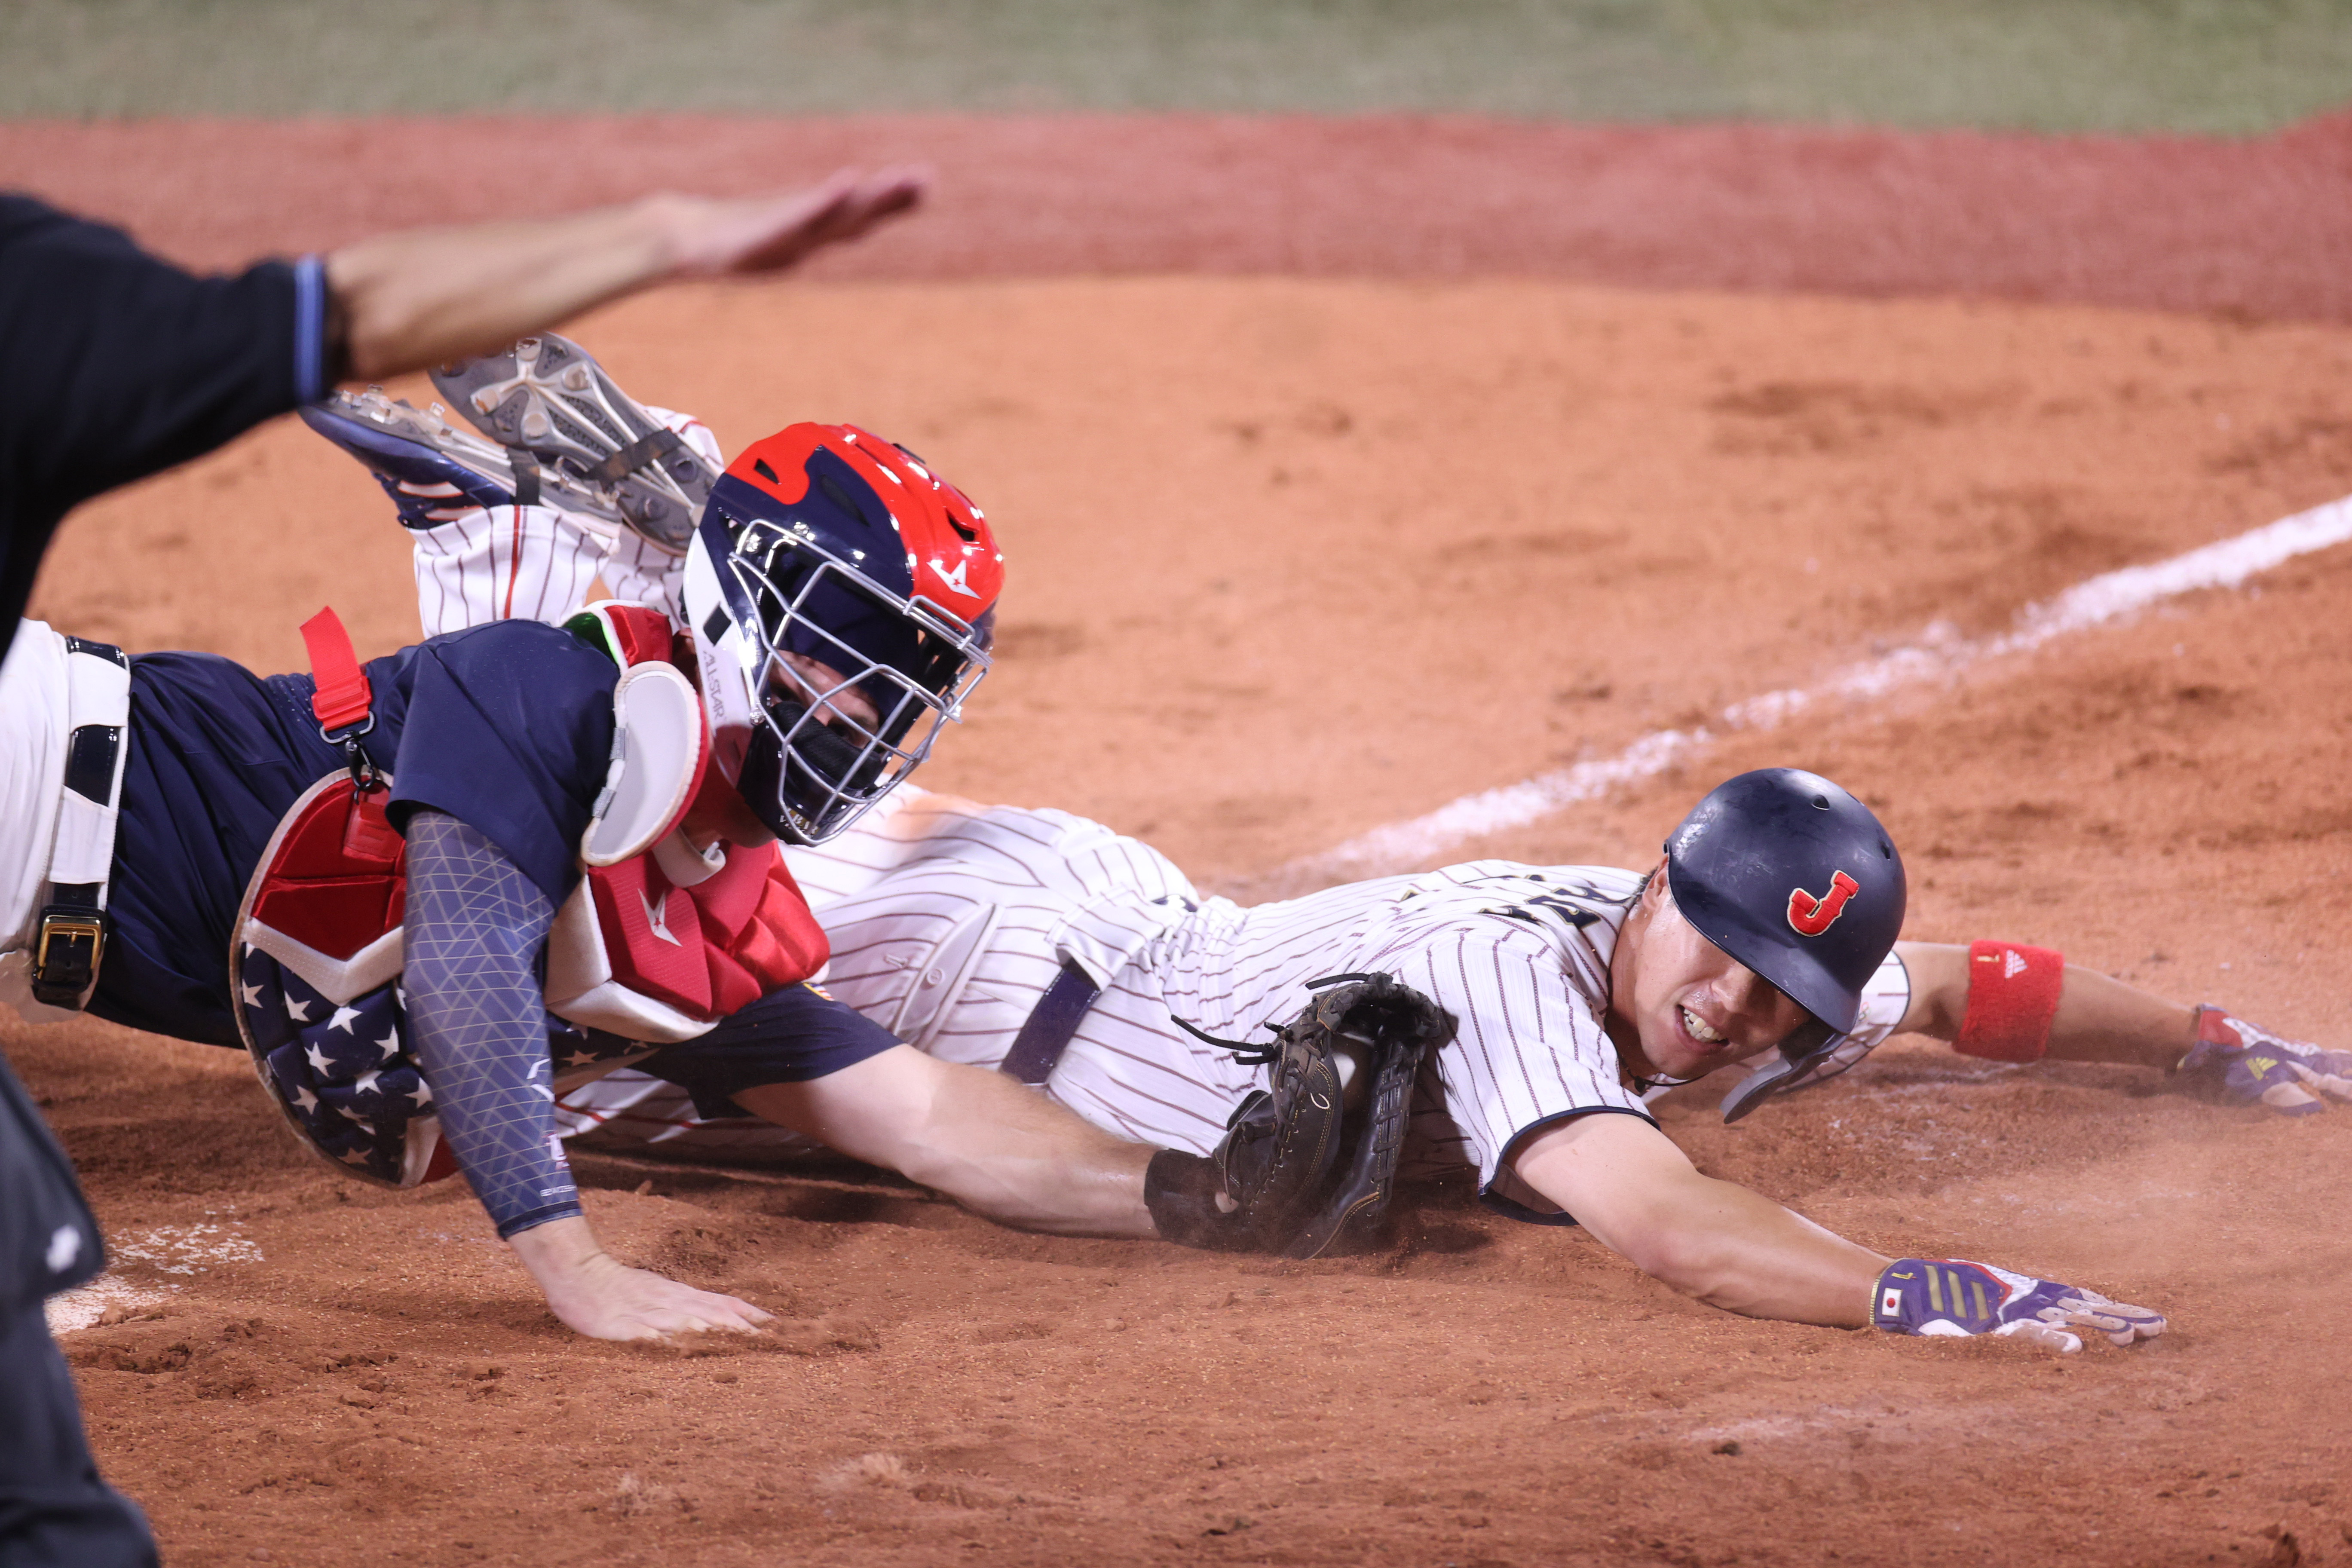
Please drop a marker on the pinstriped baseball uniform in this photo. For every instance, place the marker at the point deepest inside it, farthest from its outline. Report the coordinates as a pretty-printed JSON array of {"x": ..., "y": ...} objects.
[
  {"x": 478, "y": 564},
  {"x": 948, "y": 921}
]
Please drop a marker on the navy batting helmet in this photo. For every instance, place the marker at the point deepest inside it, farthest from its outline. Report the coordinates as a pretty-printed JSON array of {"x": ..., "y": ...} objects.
[{"x": 1797, "y": 879}]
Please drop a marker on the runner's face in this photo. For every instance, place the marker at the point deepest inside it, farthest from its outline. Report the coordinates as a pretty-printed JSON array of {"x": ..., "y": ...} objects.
[{"x": 1683, "y": 1005}]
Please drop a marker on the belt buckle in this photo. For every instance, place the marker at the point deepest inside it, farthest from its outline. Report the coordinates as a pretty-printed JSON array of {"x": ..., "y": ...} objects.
[{"x": 63, "y": 986}]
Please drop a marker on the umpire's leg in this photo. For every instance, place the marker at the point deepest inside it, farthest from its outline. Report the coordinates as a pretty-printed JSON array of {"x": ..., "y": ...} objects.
[{"x": 54, "y": 1509}]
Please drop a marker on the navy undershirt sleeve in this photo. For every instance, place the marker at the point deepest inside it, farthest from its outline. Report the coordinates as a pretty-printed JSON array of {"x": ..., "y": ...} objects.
[
  {"x": 475, "y": 927},
  {"x": 791, "y": 1035},
  {"x": 510, "y": 730}
]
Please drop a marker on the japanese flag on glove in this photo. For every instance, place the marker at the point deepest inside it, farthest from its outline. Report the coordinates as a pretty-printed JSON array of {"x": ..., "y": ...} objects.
[
  {"x": 2244, "y": 1063},
  {"x": 1953, "y": 1296}
]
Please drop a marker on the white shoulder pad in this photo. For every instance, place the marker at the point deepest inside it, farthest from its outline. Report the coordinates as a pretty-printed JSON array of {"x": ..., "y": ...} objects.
[{"x": 657, "y": 753}]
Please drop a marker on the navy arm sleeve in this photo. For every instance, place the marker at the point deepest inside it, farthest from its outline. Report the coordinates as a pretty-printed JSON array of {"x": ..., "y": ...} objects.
[
  {"x": 475, "y": 928},
  {"x": 120, "y": 364}
]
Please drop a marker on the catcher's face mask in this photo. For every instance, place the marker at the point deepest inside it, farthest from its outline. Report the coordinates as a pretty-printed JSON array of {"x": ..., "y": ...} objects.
[{"x": 818, "y": 588}]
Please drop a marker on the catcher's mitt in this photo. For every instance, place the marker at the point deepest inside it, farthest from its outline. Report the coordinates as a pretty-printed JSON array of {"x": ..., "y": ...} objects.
[{"x": 1308, "y": 1162}]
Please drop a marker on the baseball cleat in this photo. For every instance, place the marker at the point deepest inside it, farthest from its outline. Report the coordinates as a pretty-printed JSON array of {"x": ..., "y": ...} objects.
[
  {"x": 434, "y": 472},
  {"x": 548, "y": 394}
]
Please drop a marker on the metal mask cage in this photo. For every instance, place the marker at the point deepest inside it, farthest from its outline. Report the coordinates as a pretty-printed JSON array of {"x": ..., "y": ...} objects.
[{"x": 813, "y": 768}]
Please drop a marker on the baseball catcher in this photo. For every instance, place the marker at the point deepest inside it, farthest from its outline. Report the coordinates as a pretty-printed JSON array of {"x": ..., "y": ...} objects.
[
  {"x": 570, "y": 486},
  {"x": 459, "y": 881}
]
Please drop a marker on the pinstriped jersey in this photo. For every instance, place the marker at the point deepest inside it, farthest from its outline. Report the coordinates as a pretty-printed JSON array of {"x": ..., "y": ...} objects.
[
  {"x": 476, "y": 565},
  {"x": 949, "y": 921}
]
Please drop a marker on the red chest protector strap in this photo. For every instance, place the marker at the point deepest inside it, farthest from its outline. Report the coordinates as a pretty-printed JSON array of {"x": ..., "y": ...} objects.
[
  {"x": 342, "y": 700},
  {"x": 343, "y": 696}
]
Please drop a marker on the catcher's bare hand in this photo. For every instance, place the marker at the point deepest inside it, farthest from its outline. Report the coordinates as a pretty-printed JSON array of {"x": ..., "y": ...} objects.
[{"x": 599, "y": 1296}]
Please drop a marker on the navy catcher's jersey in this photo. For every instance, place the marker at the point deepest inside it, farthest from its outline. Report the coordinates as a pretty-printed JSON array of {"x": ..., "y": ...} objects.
[{"x": 508, "y": 728}]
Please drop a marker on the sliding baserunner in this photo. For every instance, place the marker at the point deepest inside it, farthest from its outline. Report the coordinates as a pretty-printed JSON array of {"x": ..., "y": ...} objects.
[{"x": 1767, "y": 926}]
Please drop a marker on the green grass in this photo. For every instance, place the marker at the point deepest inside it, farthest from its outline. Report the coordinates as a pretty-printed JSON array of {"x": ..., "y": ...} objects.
[{"x": 2217, "y": 66}]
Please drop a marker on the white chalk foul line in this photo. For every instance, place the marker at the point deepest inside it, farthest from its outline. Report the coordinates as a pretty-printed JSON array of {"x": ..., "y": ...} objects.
[{"x": 2224, "y": 564}]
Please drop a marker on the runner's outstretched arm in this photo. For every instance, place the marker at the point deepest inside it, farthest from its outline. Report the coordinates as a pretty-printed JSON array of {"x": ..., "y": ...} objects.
[
  {"x": 1716, "y": 1241},
  {"x": 2099, "y": 1018},
  {"x": 1627, "y": 1183},
  {"x": 2011, "y": 1002}
]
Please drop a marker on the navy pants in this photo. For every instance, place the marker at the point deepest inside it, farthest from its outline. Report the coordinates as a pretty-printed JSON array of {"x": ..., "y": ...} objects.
[{"x": 54, "y": 1509}]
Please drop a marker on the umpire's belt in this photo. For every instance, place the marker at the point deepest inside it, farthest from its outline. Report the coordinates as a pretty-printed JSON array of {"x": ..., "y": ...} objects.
[
  {"x": 1052, "y": 1022},
  {"x": 71, "y": 938}
]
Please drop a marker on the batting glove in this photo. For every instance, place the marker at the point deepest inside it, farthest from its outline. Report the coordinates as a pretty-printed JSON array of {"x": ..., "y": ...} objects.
[
  {"x": 2241, "y": 1064},
  {"x": 1955, "y": 1296}
]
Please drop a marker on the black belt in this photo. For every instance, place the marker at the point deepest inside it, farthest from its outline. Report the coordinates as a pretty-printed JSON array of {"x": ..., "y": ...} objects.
[
  {"x": 73, "y": 937},
  {"x": 1052, "y": 1022}
]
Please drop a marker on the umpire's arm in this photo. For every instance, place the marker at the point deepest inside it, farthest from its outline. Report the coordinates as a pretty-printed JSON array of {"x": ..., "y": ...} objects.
[
  {"x": 404, "y": 300},
  {"x": 1627, "y": 1183}
]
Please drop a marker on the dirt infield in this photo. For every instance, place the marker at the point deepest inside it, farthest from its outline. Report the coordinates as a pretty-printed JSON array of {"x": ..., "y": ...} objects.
[
  {"x": 2255, "y": 226},
  {"x": 1292, "y": 558}
]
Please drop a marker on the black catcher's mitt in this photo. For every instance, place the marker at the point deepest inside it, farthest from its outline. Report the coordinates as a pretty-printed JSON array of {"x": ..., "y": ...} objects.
[{"x": 1308, "y": 1162}]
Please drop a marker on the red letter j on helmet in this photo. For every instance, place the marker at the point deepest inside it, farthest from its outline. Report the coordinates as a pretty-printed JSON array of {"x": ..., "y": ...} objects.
[{"x": 1811, "y": 916}]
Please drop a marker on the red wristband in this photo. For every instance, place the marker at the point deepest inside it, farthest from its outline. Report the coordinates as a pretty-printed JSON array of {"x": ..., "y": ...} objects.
[{"x": 2013, "y": 996}]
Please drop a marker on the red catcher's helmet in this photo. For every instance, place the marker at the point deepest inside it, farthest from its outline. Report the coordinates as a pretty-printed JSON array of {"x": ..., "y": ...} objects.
[{"x": 826, "y": 543}]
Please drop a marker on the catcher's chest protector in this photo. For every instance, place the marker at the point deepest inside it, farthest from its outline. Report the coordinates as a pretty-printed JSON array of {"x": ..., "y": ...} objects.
[{"x": 657, "y": 944}]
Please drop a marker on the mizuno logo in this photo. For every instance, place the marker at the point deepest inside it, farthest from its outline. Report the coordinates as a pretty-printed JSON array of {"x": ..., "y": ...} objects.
[
  {"x": 1811, "y": 916},
  {"x": 955, "y": 579},
  {"x": 657, "y": 916}
]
